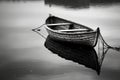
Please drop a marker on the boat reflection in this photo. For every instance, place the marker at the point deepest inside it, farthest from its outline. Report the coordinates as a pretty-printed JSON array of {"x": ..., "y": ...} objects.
[
  {"x": 82, "y": 54},
  {"x": 69, "y": 3}
]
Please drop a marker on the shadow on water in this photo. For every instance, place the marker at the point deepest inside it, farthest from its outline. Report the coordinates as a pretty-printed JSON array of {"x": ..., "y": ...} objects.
[{"x": 82, "y": 54}]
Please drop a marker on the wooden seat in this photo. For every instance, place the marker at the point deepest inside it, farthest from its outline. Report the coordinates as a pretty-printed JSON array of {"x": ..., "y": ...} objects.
[
  {"x": 58, "y": 24},
  {"x": 74, "y": 30}
]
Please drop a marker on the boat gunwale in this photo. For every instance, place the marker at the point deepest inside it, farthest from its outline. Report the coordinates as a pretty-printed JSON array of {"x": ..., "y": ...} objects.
[
  {"x": 61, "y": 32},
  {"x": 71, "y": 22}
]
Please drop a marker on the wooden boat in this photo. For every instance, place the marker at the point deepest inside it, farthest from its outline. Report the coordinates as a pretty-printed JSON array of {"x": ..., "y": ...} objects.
[{"x": 65, "y": 30}]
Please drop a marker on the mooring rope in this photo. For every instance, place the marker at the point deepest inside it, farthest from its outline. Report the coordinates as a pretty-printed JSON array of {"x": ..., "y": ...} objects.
[
  {"x": 105, "y": 48},
  {"x": 41, "y": 34},
  {"x": 108, "y": 46},
  {"x": 39, "y": 29}
]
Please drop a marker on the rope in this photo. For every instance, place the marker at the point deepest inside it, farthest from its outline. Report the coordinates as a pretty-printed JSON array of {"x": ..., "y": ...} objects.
[
  {"x": 105, "y": 48},
  {"x": 108, "y": 46},
  {"x": 40, "y": 26},
  {"x": 103, "y": 56},
  {"x": 38, "y": 29},
  {"x": 41, "y": 34}
]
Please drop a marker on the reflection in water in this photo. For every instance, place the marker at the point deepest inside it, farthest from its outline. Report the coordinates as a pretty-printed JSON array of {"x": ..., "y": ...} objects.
[
  {"x": 82, "y": 54},
  {"x": 69, "y": 3}
]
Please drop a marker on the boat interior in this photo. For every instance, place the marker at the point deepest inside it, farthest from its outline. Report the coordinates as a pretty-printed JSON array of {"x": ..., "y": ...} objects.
[{"x": 67, "y": 27}]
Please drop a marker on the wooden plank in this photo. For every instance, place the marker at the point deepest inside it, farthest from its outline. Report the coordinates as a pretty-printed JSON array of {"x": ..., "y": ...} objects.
[
  {"x": 58, "y": 24},
  {"x": 74, "y": 30}
]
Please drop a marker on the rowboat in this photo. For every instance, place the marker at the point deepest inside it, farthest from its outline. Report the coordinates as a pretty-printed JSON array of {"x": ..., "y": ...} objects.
[{"x": 65, "y": 30}]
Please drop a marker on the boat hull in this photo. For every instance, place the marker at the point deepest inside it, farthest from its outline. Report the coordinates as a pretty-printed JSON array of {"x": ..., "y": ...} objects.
[{"x": 87, "y": 38}]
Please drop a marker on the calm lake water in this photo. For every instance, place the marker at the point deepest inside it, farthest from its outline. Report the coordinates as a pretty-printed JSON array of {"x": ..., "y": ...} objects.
[{"x": 22, "y": 52}]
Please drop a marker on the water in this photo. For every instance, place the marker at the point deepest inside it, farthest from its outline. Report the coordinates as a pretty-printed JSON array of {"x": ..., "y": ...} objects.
[{"x": 22, "y": 52}]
